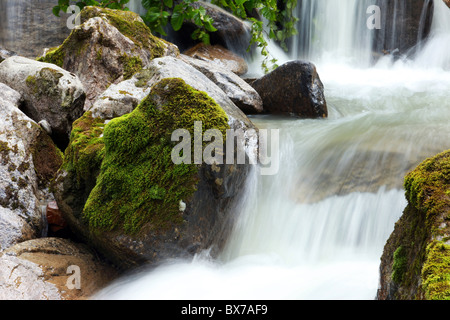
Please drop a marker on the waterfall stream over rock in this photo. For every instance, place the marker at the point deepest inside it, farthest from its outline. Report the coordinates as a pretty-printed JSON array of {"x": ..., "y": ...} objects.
[{"x": 316, "y": 230}]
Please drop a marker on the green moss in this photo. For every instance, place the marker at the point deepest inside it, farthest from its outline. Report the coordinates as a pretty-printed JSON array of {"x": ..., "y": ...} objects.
[
  {"x": 413, "y": 244},
  {"x": 130, "y": 25},
  {"x": 139, "y": 184},
  {"x": 55, "y": 56},
  {"x": 399, "y": 265},
  {"x": 131, "y": 65},
  {"x": 427, "y": 187},
  {"x": 45, "y": 83},
  {"x": 143, "y": 77},
  {"x": 436, "y": 272},
  {"x": 85, "y": 152}
]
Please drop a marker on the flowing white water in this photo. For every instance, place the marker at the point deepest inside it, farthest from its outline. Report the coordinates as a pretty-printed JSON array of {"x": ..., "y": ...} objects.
[{"x": 316, "y": 230}]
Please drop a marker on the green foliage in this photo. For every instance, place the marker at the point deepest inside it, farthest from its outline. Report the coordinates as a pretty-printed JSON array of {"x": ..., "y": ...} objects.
[
  {"x": 279, "y": 18},
  {"x": 279, "y": 21},
  {"x": 160, "y": 12}
]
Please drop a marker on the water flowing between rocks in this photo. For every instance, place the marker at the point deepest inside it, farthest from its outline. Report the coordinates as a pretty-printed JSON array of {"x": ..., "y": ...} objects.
[{"x": 316, "y": 230}]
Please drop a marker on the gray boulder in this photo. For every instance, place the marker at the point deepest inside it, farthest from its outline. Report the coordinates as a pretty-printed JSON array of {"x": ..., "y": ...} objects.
[
  {"x": 28, "y": 160},
  {"x": 240, "y": 92},
  {"x": 108, "y": 47},
  {"x": 49, "y": 93}
]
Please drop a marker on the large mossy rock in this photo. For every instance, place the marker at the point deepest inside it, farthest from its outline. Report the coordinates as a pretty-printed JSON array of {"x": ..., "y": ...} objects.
[
  {"x": 49, "y": 93},
  {"x": 28, "y": 161},
  {"x": 120, "y": 190},
  {"x": 108, "y": 47},
  {"x": 416, "y": 258},
  {"x": 293, "y": 88}
]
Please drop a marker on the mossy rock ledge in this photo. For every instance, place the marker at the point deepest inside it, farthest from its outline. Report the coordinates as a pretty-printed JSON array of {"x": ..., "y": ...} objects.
[
  {"x": 416, "y": 260},
  {"x": 109, "y": 46},
  {"x": 120, "y": 190}
]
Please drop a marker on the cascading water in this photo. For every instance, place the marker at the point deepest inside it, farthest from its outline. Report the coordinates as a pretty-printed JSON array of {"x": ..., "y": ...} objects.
[{"x": 316, "y": 230}]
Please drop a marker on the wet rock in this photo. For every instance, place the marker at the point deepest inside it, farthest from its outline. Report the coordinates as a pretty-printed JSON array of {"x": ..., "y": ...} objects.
[
  {"x": 403, "y": 26},
  {"x": 240, "y": 92},
  {"x": 46, "y": 269},
  {"x": 220, "y": 56},
  {"x": 93, "y": 174},
  {"x": 49, "y": 93},
  {"x": 415, "y": 259},
  {"x": 293, "y": 88},
  {"x": 107, "y": 48},
  {"x": 55, "y": 219}
]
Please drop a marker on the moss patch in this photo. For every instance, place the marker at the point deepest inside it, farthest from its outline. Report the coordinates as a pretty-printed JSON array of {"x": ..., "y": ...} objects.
[
  {"x": 436, "y": 272},
  {"x": 85, "y": 152},
  {"x": 130, "y": 25},
  {"x": 45, "y": 83},
  {"x": 427, "y": 187},
  {"x": 55, "y": 56},
  {"x": 131, "y": 65},
  {"x": 400, "y": 264},
  {"x": 421, "y": 231},
  {"x": 139, "y": 184}
]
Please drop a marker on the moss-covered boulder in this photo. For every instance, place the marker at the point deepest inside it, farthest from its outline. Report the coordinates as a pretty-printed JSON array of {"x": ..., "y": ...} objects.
[
  {"x": 120, "y": 189},
  {"x": 28, "y": 161},
  {"x": 49, "y": 93},
  {"x": 416, "y": 259},
  {"x": 108, "y": 47}
]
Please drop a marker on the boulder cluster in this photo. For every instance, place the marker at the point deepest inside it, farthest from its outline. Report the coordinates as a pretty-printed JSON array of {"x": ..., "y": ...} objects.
[{"x": 86, "y": 173}]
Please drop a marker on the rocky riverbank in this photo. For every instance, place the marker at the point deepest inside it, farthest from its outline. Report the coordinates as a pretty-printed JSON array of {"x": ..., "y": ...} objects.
[{"x": 88, "y": 184}]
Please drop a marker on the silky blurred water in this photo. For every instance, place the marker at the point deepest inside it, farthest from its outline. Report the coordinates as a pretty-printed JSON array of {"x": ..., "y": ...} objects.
[{"x": 316, "y": 230}]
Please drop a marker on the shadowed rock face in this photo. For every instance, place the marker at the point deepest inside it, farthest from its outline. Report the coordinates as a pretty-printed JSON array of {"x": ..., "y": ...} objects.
[
  {"x": 404, "y": 25},
  {"x": 294, "y": 88}
]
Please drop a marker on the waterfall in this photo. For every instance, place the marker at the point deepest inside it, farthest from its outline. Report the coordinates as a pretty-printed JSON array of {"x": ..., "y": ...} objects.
[{"x": 333, "y": 30}]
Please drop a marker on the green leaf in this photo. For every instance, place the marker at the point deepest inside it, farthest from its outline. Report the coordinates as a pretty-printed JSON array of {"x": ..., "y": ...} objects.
[
  {"x": 168, "y": 3},
  {"x": 56, "y": 10},
  {"x": 177, "y": 20}
]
